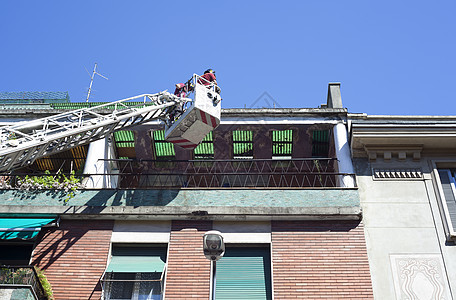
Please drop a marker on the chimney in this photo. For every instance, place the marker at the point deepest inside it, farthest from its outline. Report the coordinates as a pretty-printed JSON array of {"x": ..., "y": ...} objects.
[{"x": 334, "y": 98}]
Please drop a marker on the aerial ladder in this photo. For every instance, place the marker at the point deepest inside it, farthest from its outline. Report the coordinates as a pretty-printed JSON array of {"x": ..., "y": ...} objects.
[{"x": 187, "y": 121}]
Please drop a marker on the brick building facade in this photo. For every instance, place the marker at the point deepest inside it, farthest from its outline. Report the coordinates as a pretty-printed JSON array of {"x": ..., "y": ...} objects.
[{"x": 277, "y": 183}]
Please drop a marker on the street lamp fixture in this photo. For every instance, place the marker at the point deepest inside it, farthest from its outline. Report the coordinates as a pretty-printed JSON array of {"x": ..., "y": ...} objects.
[
  {"x": 214, "y": 248},
  {"x": 213, "y": 245}
]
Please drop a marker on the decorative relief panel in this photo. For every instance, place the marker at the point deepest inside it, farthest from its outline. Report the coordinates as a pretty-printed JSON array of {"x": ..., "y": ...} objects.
[
  {"x": 419, "y": 276},
  {"x": 397, "y": 174}
]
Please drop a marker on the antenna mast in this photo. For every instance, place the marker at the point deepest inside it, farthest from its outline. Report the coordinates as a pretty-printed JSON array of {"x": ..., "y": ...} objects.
[{"x": 91, "y": 80}]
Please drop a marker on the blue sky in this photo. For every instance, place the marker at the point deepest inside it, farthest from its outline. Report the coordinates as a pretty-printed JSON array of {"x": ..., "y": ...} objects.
[{"x": 391, "y": 57}]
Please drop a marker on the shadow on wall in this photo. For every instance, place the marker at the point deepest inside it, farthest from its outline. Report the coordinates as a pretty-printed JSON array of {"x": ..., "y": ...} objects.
[
  {"x": 54, "y": 247},
  {"x": 132, "y": 198},
  {"x": 29, "y": 196},
  {"x": 58, "y": 246},
  {"x": 100, "y": 198},
  {"x": 316, "y": 226}
]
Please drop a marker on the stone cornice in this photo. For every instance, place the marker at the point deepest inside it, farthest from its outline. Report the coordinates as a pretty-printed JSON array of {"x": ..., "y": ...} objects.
[{"x": 403, "y": 139}]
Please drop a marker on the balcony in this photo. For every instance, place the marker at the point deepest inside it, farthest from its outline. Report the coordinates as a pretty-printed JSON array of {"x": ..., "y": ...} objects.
[
  {"x": 159, "y": 187},
  {"x": 202, "y": 174},
  {"x": 20, "y": 282},
  {"x": 234, "y": 173}
]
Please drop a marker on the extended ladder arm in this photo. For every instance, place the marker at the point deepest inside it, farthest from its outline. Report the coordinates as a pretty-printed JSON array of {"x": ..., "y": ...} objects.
[{"x": 21, "y": 144}]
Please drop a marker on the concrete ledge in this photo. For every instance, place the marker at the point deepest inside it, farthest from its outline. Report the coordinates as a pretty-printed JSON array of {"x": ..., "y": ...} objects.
[
  {"x": 187, "y": 213},
  {"x": 187, "y": 197}
]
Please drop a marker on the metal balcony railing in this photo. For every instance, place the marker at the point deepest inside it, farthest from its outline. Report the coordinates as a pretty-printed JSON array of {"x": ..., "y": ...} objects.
[
  {"x": 20, "y": 277},
  {"x": 233, "y": 173},
  {"x": 208, "y": 173}
]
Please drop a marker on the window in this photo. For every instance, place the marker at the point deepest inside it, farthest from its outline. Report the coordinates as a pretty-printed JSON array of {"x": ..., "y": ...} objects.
[
  {"x": 163, "y": 150},
  {"x": 135, "y": 272},
  {"x": 67, "y": 161},
  {"x": 15, "y": 253},
  {"x": 447, "y": 192},
  {"x": 205, "y": 150},
  {"x": 282, "y": 144},
  {"x": 320, "y": 143},
  {"x": 125, "y": 144},
  {"x": 243, "y": 144},
  {"x": 244, "y": 273}
]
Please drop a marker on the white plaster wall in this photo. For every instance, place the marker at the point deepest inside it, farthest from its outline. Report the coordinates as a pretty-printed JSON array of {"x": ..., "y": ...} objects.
[
  {"x": 402, "y": 220},
  {"x": 100, "y": 149},
  {"x": 141, "y": 232},
  {"x": 244, "y": 232}
]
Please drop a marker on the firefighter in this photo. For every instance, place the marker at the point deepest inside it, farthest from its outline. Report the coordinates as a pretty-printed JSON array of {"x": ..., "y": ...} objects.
[
  {"x": 181, "y": 90},
  {"x": 208, "y": 79}
]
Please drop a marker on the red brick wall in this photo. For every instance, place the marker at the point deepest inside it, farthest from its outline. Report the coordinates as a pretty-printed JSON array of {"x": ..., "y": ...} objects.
[
  {"x": 74, "y": 257},
  {"x": 320, "y": 259},
  {"x": 188, "y": 274}
]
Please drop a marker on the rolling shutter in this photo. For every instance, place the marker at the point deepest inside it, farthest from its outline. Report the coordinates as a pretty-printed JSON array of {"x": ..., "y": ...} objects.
[
  {"x": 244, "y": 273},
  {"x": 448, "y": 186}
]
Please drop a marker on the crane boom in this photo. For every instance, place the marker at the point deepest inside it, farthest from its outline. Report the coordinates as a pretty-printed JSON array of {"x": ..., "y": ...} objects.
[{"x": 22, "y": 143}]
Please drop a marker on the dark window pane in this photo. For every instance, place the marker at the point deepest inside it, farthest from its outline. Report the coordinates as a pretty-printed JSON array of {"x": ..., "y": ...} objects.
[{"x": 15, "y": 254}]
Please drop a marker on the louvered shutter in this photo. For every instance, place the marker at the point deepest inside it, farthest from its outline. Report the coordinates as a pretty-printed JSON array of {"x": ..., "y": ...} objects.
[
  {"x": 448, "y": 186},
  {"x": 244, "y": 273}
]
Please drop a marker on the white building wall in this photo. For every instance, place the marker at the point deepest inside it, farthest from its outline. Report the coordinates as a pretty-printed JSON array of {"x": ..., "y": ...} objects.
[
  {"x": 408, "y": 254},
  {"x": 98, "y": 150}
]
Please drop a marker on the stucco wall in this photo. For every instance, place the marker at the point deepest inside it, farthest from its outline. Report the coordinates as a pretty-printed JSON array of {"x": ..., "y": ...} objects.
[{"x": 407, "y": 249}]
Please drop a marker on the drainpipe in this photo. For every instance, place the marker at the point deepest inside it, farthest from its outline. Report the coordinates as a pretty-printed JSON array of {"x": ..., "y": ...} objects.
[{"x": 341, "y": 145}]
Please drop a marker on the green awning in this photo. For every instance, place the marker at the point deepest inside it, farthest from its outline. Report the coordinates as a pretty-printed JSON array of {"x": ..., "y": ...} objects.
[
  {"x": 24, "y": 229},
  {"x": 136, "y": 264}
]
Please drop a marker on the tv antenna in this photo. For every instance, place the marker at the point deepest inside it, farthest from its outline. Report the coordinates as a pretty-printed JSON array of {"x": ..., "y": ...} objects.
[{"x": 91, "y": 80}]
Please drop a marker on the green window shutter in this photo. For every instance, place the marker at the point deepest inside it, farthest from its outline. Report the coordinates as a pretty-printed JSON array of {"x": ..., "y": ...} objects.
[
  {"x": 244, "y": 273},
  {"x": 124, "y": 138},
  {"x": 162, "y": 148},
  {"x": 243, "y": 143},
  {"x": 206, "y": 148},
  {"x": 282, "y": 142},
  {"x": 320, "y": 143}
]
